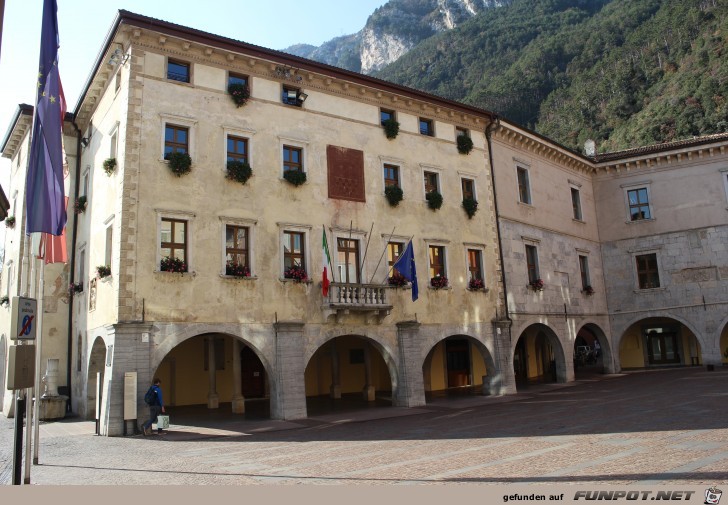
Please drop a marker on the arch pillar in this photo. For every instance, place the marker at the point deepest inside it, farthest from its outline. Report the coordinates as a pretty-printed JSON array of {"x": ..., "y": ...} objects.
[
  {"x": 289, "y": 399},
  {"x": 411, "y": 390},
  {"x": 125, "y": 352},
  {"x": 504, "y": 380}
]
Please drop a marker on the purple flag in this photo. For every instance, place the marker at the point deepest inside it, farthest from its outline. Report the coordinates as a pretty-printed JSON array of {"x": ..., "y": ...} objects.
[{"x": 45, "y": 198}]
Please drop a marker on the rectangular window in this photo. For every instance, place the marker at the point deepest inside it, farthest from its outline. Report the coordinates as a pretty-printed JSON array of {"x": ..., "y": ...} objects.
[
  {"x": 385, "y": 115},
  {"x": 437, "y": 261},
  {"x": 576, "y": 203},
  {"x": 237, "y": 79},
  {"x": 468, "y": 187},
  {"x": 174, "y": 239},
  {"x": 639, "y": 205},
  {"x": 109, "y": 244},
  {"x": 524, "y": 187},
  {"x": 584, "y": 270},
  {"x": 391, "y": 175},
  {"x": 475, "y": 264},
  {"x": 394, "y": 251},
  {"x": 292, "y": 96},
  {"x": 347, "y": 260},
  {"x": 178, "y": 70},
  {"x": 81, "y": 266},
  {"x": 236, "y": 244},
  {"x": 237, "y": 149},
  {"x": 176, "y": 139},
  {"x": 431, "y": 182},
  {"x": 647, "y": 275},
  {"x": 292, "y": 158},
  {"x": 85, "y": 184},
  {"x": 461, "y": 131},
  {"x": 113, "y": 144},
  {"x": 293, "y": 249},
  {"x": 426, "y": 127},
  {"x": 532, "y": 263},
  {"x": 117, "y": 81}
]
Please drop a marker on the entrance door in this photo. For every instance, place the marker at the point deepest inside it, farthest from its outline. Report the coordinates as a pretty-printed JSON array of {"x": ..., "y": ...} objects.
[
  {"x": 662, "y": 348},
  {"x": 252, "y": 374},
  {"x": 458, "y": 363}
]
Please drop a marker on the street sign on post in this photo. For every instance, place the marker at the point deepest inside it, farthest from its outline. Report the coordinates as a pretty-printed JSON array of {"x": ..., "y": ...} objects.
[
  {"x": 21, "y": 367},
  {"x": 24, "y": 312}
]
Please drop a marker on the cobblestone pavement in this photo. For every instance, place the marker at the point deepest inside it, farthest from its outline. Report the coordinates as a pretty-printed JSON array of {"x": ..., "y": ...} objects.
[{"x": 646, "y": 428}]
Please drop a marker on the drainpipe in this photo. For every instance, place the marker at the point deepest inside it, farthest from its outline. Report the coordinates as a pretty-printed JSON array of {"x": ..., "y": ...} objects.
[
  {"x": 69, "y": 361},
  {"x": 495, "y": 121}
]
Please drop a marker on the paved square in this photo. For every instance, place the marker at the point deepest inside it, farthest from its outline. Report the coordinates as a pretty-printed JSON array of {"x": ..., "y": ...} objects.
[{"x": 647, "y": 428}]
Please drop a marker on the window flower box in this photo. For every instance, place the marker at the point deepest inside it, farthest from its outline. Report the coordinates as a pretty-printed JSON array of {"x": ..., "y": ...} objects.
[
  {"x": 439, "y": 282},
  {"x": 434, "y": 200},
  {"x": 394, "y": 195},
  {"x": 103, "y": 271},
  {"x": 476, "y": 285},
  {"x": 296, "y": 273},
  {"x": 239, "y": 92},
  {"x": 10, "y": 221},
  {"x": 80, "y": 205},
  {"x": 238, "y": 171},
  {"x": 391, "y": 128},
  {"x": 465, "y": 144},
  {"x": 179, "y": 163},
  {"x": 536, "y": 285},
  {"x": 235, "y": 269},
  {"x": 471, "y": 206},
  {"x": 5, "y": 301},
  {"x": 75, "y": 288},
  {"x": 109, "y": 166},
  {"x": 172, "y": 265},
  {"x": 295, "y": 177},
  {"x": 397, "y": 280},
  {"x": 588, "y": 290}
]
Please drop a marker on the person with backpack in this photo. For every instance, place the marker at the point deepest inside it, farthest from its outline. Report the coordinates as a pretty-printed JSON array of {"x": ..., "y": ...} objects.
[{"x": 153, "y": 398}]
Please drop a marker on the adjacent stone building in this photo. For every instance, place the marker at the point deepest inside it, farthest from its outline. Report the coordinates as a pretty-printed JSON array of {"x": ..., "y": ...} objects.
[{"x": 209, "y": 274}]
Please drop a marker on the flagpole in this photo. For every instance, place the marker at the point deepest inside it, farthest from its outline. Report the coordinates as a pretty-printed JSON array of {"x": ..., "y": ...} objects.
[
  {"x": 361, "y": 269},
  {"x": 39, "y": 341},
  {"x": 382, "y": 255}
]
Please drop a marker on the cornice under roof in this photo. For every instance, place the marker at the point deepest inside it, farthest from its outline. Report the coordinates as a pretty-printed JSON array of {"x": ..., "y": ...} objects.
[
  {"x": 23, "y": 110},
  {"x": 660, "y": 148}
]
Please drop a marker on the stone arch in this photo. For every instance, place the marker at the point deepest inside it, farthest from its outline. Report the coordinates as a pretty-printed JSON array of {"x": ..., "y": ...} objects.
[
  {"x": 722, "y": 339},
  {"x": 630, "y": 322},
  {"x": 607, "y": 361},
  {"x": 532, "y": 351},
  {"x": 314, "y": 351},
  {"x": 96, "y": 364},
  {"x": 178, "y": 351},
  {"x": 481, "y": 373},
  {"x": 666, "y": 344}
]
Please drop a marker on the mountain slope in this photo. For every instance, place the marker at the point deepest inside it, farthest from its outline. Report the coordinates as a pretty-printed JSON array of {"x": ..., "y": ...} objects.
[
  {"x": 392, "y": 30},
  {"x": 624, "y": 73}
]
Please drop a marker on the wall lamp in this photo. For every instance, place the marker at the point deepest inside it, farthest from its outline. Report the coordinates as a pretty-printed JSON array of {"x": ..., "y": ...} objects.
[
  {"x": 301, "y": 96},
  {"x": 84, "y": 142}
]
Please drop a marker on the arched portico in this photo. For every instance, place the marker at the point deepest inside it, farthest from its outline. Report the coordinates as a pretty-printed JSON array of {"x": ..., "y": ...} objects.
[
  {"x": 95, "y": 377},
  {"x": 598, "y": 357},
  {"x": 458, "y": 362},
  {"x": 214, "y": 369},
  {"x": 723, "y": 341},
  {"x": 538, "y": 356},
  {"x": 659, "y": 342},
  {"x": 349, "y": 371}
]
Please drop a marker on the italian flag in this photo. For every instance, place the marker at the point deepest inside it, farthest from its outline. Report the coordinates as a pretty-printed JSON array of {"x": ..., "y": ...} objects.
[{"x": 327, "y": 265}]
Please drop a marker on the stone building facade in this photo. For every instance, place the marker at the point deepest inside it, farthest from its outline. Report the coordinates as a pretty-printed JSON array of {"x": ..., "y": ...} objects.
[{"x": 214, "y": 338}]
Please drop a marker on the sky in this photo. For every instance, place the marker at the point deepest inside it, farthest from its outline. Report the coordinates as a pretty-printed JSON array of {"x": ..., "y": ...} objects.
[{"x": 84, "y": 24}]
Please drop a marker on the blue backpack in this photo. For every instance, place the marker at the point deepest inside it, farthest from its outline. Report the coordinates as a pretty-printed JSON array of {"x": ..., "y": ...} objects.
[{"x": 150, "y": 397}]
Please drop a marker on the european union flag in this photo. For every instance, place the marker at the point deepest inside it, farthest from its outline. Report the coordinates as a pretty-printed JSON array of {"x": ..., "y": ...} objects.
[
  {"x": 45, "y": 198},
  {"x": 405, "y": 265}
]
